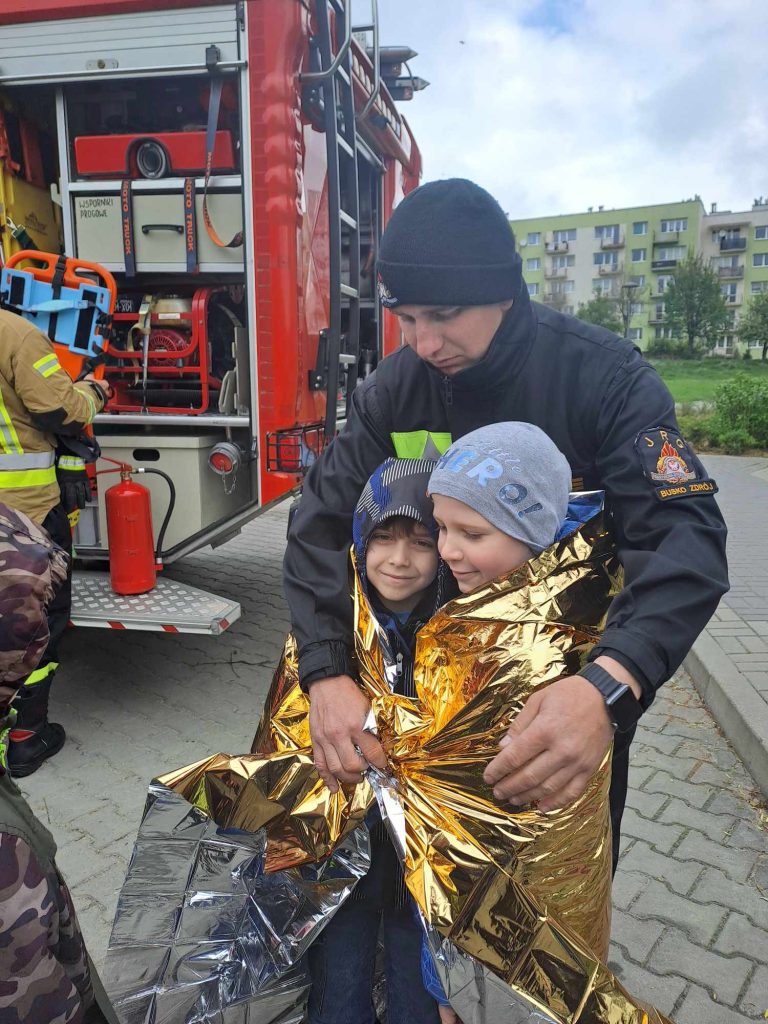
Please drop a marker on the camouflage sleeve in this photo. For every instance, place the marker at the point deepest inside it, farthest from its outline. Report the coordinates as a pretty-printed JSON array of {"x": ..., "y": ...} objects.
[
  {"x": 44, "y": 965},
  {"x": 55, "y": 403},
  {"x": 31, "y": 568}
]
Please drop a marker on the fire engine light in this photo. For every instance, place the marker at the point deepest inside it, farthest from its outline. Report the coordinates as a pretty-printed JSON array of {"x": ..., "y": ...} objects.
[
  {"x": 225, "y": 458},
  {"x": 151, "y": 159}
]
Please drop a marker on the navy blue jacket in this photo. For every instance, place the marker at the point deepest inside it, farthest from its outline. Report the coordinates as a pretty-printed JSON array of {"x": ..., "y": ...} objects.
[{"x": 609, "y": 413}]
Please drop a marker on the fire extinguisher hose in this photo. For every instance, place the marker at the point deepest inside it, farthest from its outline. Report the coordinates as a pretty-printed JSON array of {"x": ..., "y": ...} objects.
[{"x": 159, "y": 553}]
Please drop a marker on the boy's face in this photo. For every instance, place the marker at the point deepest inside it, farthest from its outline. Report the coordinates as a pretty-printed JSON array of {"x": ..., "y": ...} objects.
[
  {"x": 476, "y": 551},
  {"x": 450, "y": 338},
  {"x": 401, "y": 562}
]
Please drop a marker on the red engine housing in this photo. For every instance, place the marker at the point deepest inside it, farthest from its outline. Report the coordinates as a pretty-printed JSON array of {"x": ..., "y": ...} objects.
[
  {"x": 110, "y": 156},
  {"x": 131, "y": 545}
]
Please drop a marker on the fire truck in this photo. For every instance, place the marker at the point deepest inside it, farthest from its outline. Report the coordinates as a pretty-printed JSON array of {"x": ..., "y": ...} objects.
[{"x": 231, "y": 166}]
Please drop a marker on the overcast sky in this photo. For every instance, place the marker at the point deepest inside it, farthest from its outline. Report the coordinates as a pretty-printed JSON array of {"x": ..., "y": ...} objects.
[{"x": 557, "y": 105}]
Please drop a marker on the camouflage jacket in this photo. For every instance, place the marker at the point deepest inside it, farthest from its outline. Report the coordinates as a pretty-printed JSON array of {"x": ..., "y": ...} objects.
[
  {"x": 31, "y": 567},
  {"x": 45, "y": 974}
]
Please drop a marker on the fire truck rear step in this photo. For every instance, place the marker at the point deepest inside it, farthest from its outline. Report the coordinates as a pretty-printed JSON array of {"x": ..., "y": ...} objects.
[{"x": 172, "y": 607}]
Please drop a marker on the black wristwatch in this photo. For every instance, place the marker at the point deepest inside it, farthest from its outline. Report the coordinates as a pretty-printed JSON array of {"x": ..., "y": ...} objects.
[{"x": 623, "y": 707}]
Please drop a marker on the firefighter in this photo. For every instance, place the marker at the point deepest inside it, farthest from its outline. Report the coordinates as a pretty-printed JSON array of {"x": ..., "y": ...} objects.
[
  {"x": 40, "y": 411},
  {"x": 478, "y": 351}
]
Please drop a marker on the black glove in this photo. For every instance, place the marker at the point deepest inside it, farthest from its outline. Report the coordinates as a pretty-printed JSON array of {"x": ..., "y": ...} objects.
[{"x": 74, "y": 482}]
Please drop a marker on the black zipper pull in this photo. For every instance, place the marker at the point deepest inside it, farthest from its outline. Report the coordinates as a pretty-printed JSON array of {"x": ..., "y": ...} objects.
[
  {"x": 399, "y": 666},
  {"x": 448, "y": 390}
]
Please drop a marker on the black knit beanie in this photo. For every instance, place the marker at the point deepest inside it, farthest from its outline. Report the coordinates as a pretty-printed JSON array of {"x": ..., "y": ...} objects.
[{"x": 448, "y": 243}]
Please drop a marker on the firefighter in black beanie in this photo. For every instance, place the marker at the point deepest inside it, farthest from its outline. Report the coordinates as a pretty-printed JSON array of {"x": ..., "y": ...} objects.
[{"x": 478, "y": 351}]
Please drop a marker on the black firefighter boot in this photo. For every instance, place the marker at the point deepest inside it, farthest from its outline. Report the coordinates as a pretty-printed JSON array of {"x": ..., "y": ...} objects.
[{"x": 33, "y": 738}]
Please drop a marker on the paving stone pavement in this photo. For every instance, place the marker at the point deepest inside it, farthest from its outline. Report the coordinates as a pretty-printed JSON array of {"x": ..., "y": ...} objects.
[
  {"x": 691, "y": 895},
  {"x": 729, "y": 662}
]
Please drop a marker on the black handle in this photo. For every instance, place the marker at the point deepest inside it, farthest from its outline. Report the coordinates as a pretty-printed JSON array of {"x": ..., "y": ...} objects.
[{"x": 146, "y": 228}]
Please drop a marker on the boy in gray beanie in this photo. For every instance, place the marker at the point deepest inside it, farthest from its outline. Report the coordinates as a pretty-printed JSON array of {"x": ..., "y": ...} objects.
[{"x": 500, "y": 495}]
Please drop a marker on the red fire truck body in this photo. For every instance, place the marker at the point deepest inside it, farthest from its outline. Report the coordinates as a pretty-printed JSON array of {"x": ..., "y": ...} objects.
[{"x": 247, "y": 308}]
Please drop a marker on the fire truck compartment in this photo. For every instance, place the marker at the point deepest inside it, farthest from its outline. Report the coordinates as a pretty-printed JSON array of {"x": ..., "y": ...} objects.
[
  {"x": 202, "y": 496},
  {"x": 158, "y": 229},
  {"x": 172, "y": 607}
]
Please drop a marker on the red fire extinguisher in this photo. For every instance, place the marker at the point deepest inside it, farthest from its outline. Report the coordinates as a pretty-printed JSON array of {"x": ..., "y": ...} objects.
[{"x": 131, "y": 545}]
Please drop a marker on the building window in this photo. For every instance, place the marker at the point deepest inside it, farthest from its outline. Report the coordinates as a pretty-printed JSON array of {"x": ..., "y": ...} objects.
[
  {"x": 676, "y": 224},
  {"x": 760, "y": 259},
  {"x": 725, "y": 345},
  {"x": 533, "y": 288},
  {"x": 718, "y": 234},
  {"x": 563, "y": 287},
  {"x": 664, "y": 333},
  {"x": 604, "y": 286},
  {"x": 640, "y": 227},
  {"x": 761, "y": 232},
  {"x": 534, "y": 238},
  {"x": 670, "y": 252},
  {"x": 659, "y": 311},
  {"x": 758, "y": 287},
  {"x": 638, "y": 280},
  {"x": 608, "y": 232},
  {"x": 635, "y": 333},
  {"x": 561, "y": 262},
  {"x": 755, "y": 343},
  {"x": 639, "y": 255},
  {"x": 564, "y": 235},
  {"x": 663, "y": 282},
  {"x": 635, "y": 308},
  {"x": 605, "y": 259},
  {"x": 728, "y": 292},
  {"x": 533, "y": 264}
]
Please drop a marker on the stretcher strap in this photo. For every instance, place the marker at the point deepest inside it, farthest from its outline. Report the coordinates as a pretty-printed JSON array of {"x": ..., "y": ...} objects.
[
  {"x": 214, "y": 100},
  {"x": 190, "y": 225},
  {"x": 126, "y": 214}
]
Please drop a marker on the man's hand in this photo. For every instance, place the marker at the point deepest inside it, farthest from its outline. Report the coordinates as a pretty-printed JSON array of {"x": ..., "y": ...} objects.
[
  {"x": 337, "y": 714},
  {"x": 102, "y": 385},
  {"x": 553, "y": 746}
]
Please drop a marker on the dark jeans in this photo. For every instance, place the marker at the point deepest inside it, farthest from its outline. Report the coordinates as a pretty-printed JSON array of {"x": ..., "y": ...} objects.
[{"x": 342, "y": 962}]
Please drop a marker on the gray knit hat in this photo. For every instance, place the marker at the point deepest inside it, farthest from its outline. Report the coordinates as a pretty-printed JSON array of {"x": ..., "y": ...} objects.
[{"x": 513, "y": 475}]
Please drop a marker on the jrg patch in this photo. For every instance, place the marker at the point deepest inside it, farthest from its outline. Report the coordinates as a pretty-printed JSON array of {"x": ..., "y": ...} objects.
[{"x": 670, "y": 466}]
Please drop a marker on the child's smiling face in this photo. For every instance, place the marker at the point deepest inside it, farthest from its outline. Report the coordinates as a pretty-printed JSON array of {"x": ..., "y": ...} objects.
[
  {"x": 476, "y": 552},
  {"x": 401, "y": 562}
]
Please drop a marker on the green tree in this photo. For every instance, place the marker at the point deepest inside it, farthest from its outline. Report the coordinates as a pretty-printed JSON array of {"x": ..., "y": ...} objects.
[
  {"x": 602, "y": 311},
  {"x": 694, "y": 304},
  {"x": 753, "y": 326}
]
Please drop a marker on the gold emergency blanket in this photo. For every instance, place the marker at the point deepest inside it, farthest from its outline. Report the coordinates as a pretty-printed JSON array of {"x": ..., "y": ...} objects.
[{"x": 526, "y": 894}]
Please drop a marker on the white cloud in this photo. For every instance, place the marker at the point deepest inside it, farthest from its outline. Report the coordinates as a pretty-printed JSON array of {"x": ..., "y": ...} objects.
[{"x": 636, "y": 102}]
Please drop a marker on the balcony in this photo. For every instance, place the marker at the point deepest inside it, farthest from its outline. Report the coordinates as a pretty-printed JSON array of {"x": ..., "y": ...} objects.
[
  {"x": 606, "y": 269},
  {"x": 556, "y": 273},
  {"x": 663, "y": 264},
  {"x": 665, "y": 237},
  {"x": 731, "y": 272},
  {"x": 613, "y": 242},
  {"x": 555, "y": 247},
  {"x": 656, "y": 318},
  {"x": 733, "y": 244}
]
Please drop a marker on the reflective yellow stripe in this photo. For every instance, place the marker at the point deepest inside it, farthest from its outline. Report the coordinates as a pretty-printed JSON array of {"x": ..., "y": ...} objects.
[
  {"x": 51, "y": 369},
  {"x": 28, "y": 478},
  {"x": 40, "y": 674},
  {"x": 10, "y": 439},
  {"x": 70, "y": 462},
  {"x": 91, "y": 401},
  {"x": 420, "y": 444},
  {"x": 44, "y": 361}
]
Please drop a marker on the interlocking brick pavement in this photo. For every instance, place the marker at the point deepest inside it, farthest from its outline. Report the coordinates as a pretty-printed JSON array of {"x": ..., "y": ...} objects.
[{"x": 691, "y": 893}]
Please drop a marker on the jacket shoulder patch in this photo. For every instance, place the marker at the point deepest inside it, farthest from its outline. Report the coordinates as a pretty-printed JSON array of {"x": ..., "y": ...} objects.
[{"x": 670, "y": 466}]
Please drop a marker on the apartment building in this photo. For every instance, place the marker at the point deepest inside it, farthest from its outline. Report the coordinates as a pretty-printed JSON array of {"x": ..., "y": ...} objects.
[{"x": 630, "y": 254}]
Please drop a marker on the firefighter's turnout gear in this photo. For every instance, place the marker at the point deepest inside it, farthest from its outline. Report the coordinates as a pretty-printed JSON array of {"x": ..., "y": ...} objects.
[{"x": 39, "y": 401}]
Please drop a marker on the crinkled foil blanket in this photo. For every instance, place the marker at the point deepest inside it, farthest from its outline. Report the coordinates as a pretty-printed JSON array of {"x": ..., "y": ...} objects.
[{"x": 241, "y": 861}]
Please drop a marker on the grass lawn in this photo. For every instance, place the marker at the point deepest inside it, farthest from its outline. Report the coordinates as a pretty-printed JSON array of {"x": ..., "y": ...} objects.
[{"x": 694, "y": 380}]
